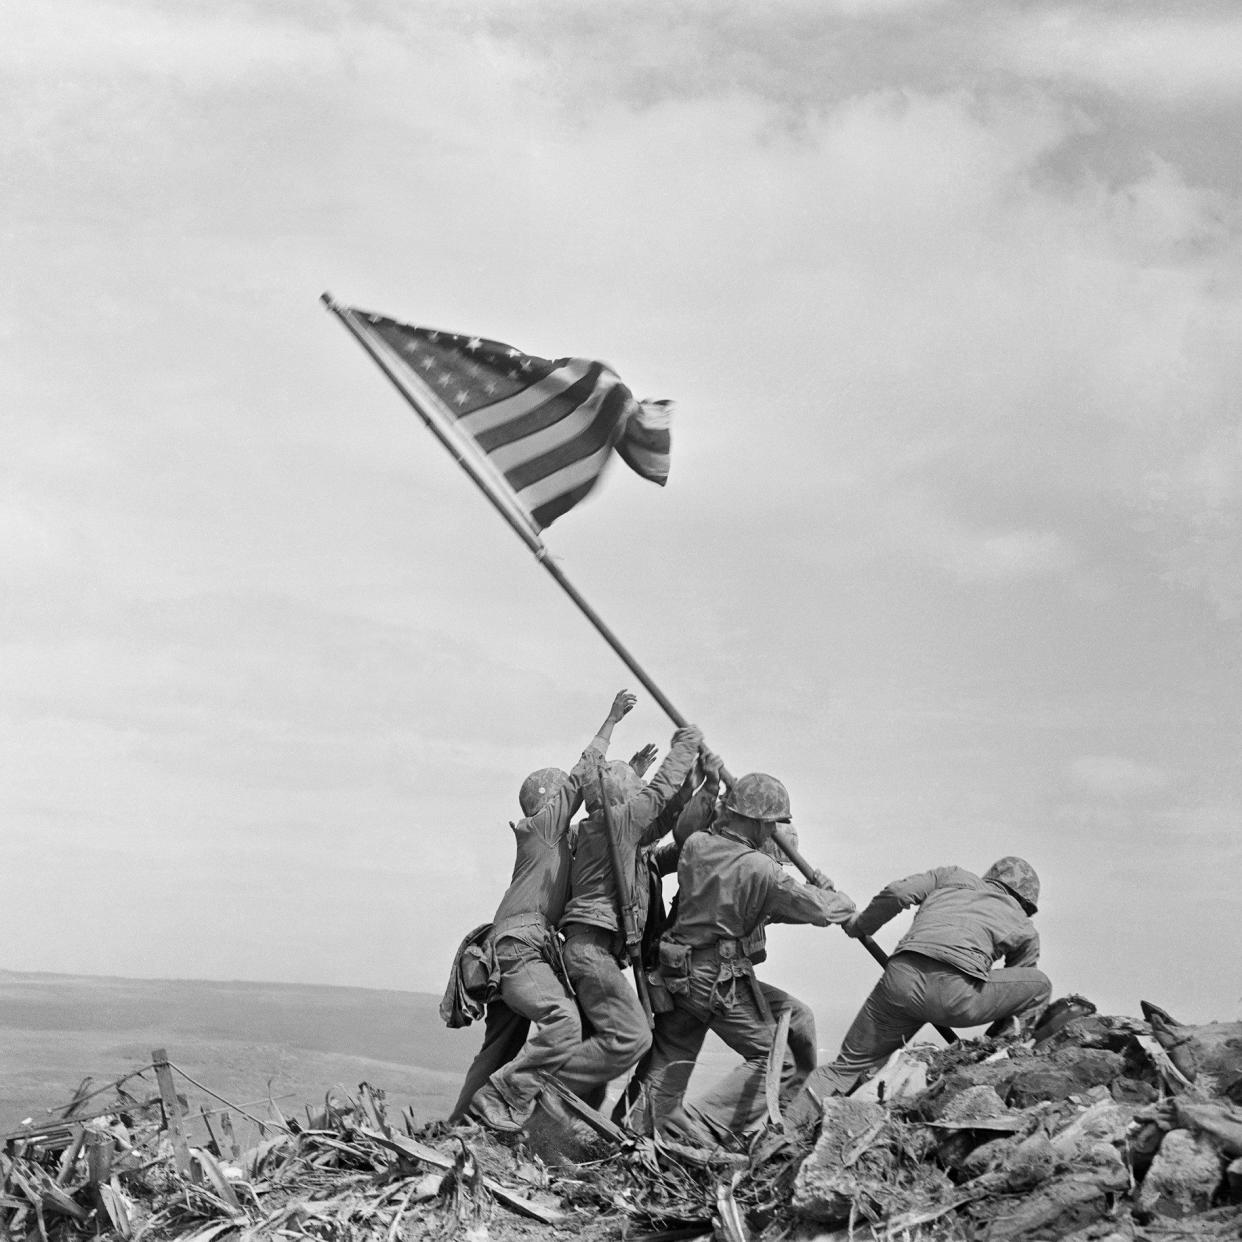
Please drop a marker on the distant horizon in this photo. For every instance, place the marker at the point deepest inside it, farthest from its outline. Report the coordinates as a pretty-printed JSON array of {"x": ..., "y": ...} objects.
[{"x": 161, "y": 978}]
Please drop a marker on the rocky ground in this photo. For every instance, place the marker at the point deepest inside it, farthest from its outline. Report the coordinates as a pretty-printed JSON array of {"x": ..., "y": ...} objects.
[{"x": 1102, "y": 1128}]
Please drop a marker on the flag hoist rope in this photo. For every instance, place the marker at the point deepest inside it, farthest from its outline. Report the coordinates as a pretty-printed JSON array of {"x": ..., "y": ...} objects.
[{"x": 482, "y": 476}]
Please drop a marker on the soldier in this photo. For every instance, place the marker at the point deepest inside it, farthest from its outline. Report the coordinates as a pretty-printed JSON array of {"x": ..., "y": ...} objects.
[
  {"x": 594, "y": 939},
  {"x": 526, "y": 948},
  {"x": 941, "y": 971},
  {"x": 729, "y": 890}
]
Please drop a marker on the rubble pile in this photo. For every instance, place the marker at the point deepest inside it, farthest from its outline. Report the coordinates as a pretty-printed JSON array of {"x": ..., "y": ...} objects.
[{"x": 1088, "y": 1128}]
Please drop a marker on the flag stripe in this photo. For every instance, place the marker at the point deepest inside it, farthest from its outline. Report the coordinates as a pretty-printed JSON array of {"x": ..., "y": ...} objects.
[
  {"x": 544, "y": 418},
  {"x": 574, "y": 424},
  {"x": 575, "y": 479},
  {"x": 599, "y": 434},
  {"x": 499, "y": 412},
  {"x": 547, "y": 513}
]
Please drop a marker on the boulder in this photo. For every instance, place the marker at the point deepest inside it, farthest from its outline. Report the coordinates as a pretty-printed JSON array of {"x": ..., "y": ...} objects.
[
  {"x": 1052, "y": 1211},
  {"x": 846, "y": 1163},
  {"x": 1066, "y": 1072},
  {"x": 1184, "y": 1175}
]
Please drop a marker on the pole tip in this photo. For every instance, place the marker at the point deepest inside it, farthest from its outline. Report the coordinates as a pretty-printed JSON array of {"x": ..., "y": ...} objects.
[{"x": 327, "y": 299}]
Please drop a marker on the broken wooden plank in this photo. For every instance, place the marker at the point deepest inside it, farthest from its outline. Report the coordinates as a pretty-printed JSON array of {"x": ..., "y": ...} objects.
[{"x": 172, "y": 1114}]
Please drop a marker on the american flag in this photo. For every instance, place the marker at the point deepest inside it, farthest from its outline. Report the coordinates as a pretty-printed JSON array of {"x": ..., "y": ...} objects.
[{"x": 546, "y": 427}]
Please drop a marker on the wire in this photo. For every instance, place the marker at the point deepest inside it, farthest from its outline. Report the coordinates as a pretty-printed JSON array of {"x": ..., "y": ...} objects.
[{"x": 258, "y": 1121}]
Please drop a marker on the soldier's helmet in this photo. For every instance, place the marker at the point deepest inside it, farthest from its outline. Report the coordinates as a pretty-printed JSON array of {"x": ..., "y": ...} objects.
[
  {"x": 759, "y": 796},
  {"x": 539, "y": 788},
  {"x": 621, "y": 783},
  {"x": 1019, "y": 877}
]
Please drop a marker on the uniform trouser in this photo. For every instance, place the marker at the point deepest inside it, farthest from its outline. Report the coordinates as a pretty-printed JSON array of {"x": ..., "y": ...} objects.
[
  {"x": 530, "y": 988},
  {"x": 915, "y": 990},
  {"x": 610, "y": 1006},
  {"x": 732, "y": 1013}
]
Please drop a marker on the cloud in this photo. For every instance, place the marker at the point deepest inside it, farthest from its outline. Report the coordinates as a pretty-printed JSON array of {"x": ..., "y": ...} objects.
[
  {"x": 208, "y": 47},
  {"x": 1149, "y": 52},
  {"x": 1118, "y": 778}
]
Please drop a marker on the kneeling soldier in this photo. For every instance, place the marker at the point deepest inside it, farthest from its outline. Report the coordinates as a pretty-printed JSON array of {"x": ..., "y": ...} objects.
[{"x": 941, "y": 971}]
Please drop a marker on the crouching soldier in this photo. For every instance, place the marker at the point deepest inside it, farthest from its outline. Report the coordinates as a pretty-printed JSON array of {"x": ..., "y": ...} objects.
[
  {"x": 941, "y": 971},
  {"x": 501, "y": 1088},
  {"x": 729, "y": 890},
  {"x": 595, "y": 941}
]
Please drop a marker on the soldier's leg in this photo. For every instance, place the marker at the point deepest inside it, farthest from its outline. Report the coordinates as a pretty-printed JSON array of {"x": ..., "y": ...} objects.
[
  {"x": 504, "y": 1034},
  {"x": 739, "y": 1101},
  {"x": 955, "y": 999},
  {"x": 619, "y": 1032},
  {"x": 661, "y": 1088},
  {"x": 887, "y": 1020},
  {"x": 530, "y": 987}
]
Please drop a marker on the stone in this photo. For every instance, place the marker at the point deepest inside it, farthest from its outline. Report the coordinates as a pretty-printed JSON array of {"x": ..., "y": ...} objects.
[
  {"x": 1030, "y": 1163},
  {"x": 1104, "y": 1122},
  {"x": 1184, "y": 1175},
  {"x": 846, "y": 1162},
  {"x": 1052, "y": 1211},
  {"x": 1066, "y": 1072}
]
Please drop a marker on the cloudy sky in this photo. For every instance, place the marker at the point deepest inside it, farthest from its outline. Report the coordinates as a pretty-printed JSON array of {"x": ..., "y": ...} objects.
[{"x": 949, "y": 296}]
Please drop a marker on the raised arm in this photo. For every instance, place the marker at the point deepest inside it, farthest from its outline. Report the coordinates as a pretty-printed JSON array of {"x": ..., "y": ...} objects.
[{"x": 622, "y": 705}]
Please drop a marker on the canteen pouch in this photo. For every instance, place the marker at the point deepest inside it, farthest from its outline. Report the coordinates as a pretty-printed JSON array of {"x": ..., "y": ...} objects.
[
  {"x": 675, "y": 966},
  {"x": 658, "y": 994}
]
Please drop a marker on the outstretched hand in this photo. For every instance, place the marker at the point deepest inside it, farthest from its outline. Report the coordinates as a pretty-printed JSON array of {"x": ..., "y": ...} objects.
[
  {"x": 642, "y": 759},
  {"x": 622, "y": 705}
]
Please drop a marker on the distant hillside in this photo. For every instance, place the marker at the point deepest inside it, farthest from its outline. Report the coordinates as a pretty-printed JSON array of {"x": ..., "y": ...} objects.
[
  {"x": 233, "y": 1037},
  {"x": 241, "y": 1040}
]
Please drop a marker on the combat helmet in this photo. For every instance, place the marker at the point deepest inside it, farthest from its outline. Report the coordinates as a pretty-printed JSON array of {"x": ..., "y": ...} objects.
[
  {"x": 539, "y": 788},
  {"x": 1018, "y": 876},
  {"x": 759, "y": 796},
  {"x": 621, "y": 783}
]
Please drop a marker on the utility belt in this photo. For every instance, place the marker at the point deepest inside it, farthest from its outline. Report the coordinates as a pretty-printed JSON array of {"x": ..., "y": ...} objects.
[
  {"x": 536, "y": 933},
  {"x": 606, "y": 938},
  {"x": 732, "y": 960}
]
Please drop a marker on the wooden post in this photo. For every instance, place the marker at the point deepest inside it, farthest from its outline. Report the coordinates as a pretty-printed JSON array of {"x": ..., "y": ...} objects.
[{"x": 172, "y": 1114}]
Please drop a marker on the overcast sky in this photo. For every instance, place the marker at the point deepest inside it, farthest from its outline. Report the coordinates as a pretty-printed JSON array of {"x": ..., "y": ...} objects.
[{"x": 949, "y": 296}]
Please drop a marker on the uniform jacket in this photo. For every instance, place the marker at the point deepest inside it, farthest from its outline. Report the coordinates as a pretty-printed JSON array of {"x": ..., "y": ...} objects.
[
  {"x": 962, "y": 920},
  {"x": 637, "y": 823},
  {"x": 539, "y": 888},
  {"x": 727, "y": 889}
]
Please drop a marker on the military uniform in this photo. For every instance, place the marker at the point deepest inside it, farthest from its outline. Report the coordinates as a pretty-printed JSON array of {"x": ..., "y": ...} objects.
[
  {"x": 502, "y": 1084},
  {"x": 941, "y": 971},
  {"x": 594, "y": 949},
  {"x": 729, "y": 890}
]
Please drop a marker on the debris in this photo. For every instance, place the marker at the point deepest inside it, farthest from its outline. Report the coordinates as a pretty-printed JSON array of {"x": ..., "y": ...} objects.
[
  {"x": 1184, "y": 1176},
  {"x": 1108, "y": 1129}
]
